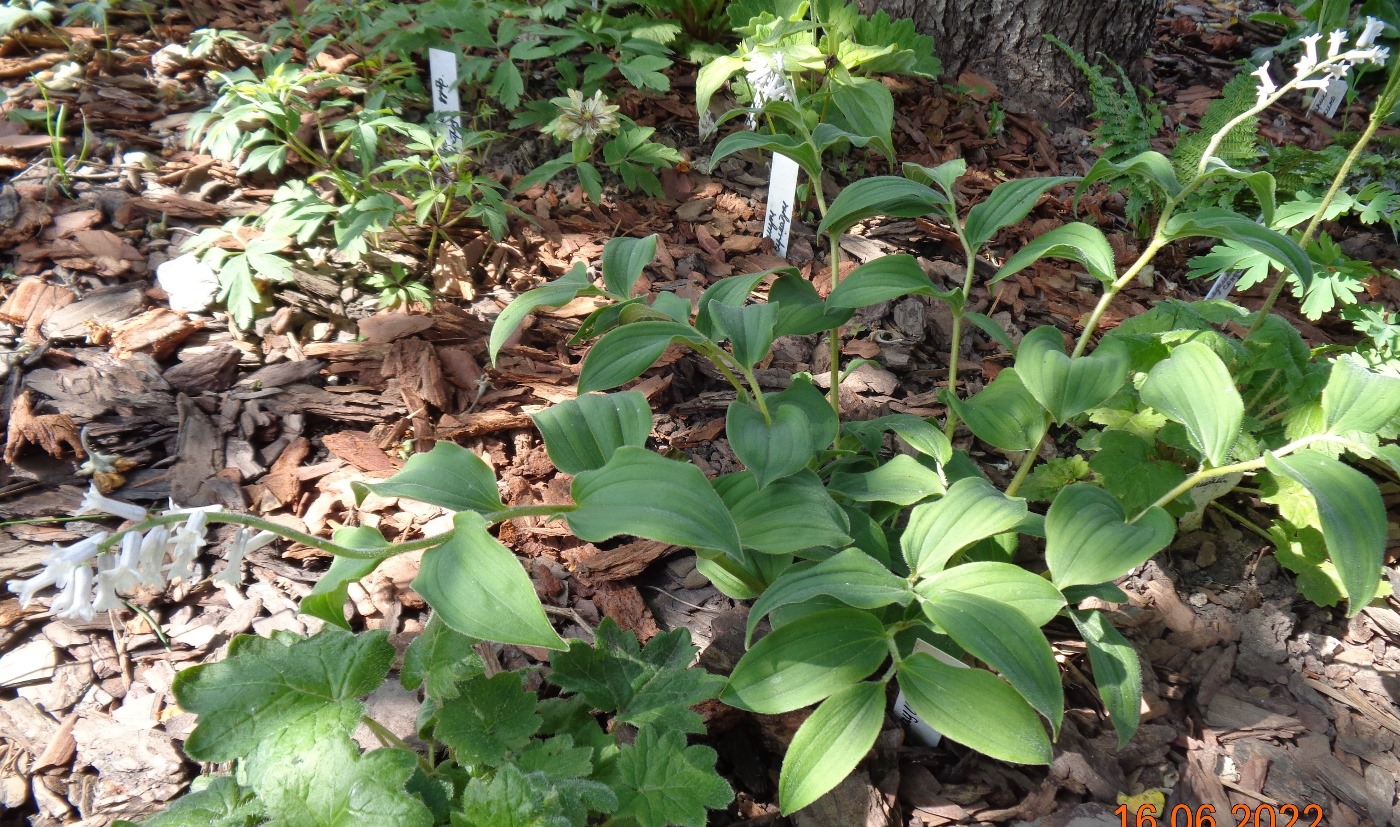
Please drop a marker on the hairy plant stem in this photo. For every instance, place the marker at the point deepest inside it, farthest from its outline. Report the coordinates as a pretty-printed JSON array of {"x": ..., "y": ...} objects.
[
  {"x": 389, "y": 739},
  {"x": 834, "y": 393},
  {"x": 1236, "y": 467},
  {"x": 1242, "y": 520},
  {"x": 1384, "y": 105}
]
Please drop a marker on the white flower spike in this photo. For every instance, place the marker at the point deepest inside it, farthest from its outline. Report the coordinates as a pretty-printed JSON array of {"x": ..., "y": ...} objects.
[
  {"x": 58, "y": 568},
  {"x": 95, "y": 502}
]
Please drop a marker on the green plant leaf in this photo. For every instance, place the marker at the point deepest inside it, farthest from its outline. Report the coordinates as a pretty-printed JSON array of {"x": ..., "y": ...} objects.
[
  {"x": 649, "y": 496},
  {"x": 801, "y": 312},
  {"x": 713, "y": 74},
  {"x": 1151, "y": 166},
  {"x": 945, "y": 175},
  {"x": 902, "y": 481},
  {"x": 749, "y": 329},
  {"x": 625, "y": 353},
  {"x": 555, "y": 294},
  {"x": 328, "y": 596},
  {"x": 581, "y": 434},
  {"x": 1068, "y": 387},
  {"x": 733, "y": 292},
  {"x": 624, "y": 259},
  {"x": 1003, "y": 414},
  {"x": 1089, "y": 541},
  {"x": 1352, "y": 517},
  {"x": 222, "y": 803},
  {"x": 830, "y": 743},
  {"x": 971, "y": 510},
  {"x": 1357, "y": 398},
  {"x": 1261, "y": 183},
  {"x": 328, "y": 783},
  {"x": 794, "y": 148},
  {"x": 660, "y": 781},
  {"x": 887, "y": 195},
  {"x": 1031, "y": 595},
  {"x": 885, "y": 278},
  {"x": 923, "y": 436},
  {"x": 488, "y": 720},
  {"x": 1193, "y": 387},
  {"x": 437, "y": 659},
  {"x": 477, "y": 587},
  {"x": 806, "y": 660},
  {"x": 975, "y": 708},
  {"x": 1213, "y": 222},
  {"x": 851, "y": 576},
  {"x": 1010, "y": 202},
  {"x": 1079, "y": 242},
  {"x": 449, "y": 476},
  {"x": 651, "y": 685},
  {"x": 511, "y": 796},
  {"x": 867, "y": 108},
  {"x": 1116, "y": 671},
  {"x": 787, "y": 516},
  {"x": 769, "y": 451},
  {"x": 266, "y": 685},
  {"x": 1005, "y": 640}
]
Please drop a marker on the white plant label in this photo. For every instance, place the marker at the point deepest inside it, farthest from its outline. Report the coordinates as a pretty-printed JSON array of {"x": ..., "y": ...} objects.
[
  {"x": 442, "y": 66},
  {"x": 1327, "y": 101},
  {"x": 782, "y": 192},
  {"x": 917, "y": 726},
  {"x": 1224, "y": 284}
]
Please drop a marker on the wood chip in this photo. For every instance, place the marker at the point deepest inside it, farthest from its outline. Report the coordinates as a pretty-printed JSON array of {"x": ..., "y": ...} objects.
[
  {"x": 32, "y": 301},
  {"x": 51, "y": 432}
]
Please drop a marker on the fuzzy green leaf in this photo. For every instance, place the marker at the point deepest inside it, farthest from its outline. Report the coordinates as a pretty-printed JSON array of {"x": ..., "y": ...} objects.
[
  {"x": 266, "y": 685},
  {"x": 884, "y": 195},
  {"x": 852, "y": 576},
  {"x": 488, "y": 720},
  {"x": 1012, "y": 586},
  {"x": 661, "y": 781},
  {"x": 437, "y": 659},
  {"x": 330, "y": 784},
  {"x": 1010, "y": 202},
  {"x": 1079, "y": 242},
  {"x": 223, "y": 803},
  {"x": 651, "y": 685}
]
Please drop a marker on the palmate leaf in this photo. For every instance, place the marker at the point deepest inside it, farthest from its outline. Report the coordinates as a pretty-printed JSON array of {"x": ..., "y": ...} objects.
[
  {"x": 651, "y": 685},
  {"x": 660, "y": 781},
  {"x": 488, "y": 720},
  {"x": 267, "y": 685},
  {"x": 223, "y": 803},
  {"x": 330, "y": 784}
]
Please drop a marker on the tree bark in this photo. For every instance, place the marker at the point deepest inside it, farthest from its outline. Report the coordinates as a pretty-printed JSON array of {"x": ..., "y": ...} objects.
[{"x": 1002, "y": 41}]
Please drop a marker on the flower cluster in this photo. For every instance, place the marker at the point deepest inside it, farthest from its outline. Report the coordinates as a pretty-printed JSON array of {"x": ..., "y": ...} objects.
[
  {"x": 1335, "y": 65},
  {"x": 767, "y": 80},
  {"x": 90, "y": 580},
  {"x": 580, "y": 117}
]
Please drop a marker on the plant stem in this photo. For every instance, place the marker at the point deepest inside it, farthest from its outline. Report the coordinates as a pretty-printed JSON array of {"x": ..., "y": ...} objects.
[
  {"x": 1225, "y": 470},
  {"x": 955, "y": 351},
  {"x": 355, "y": 552},
  {"x": 834, "y": 393}
]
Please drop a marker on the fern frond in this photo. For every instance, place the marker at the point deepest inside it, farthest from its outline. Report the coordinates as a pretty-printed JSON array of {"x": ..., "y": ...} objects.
[{"x": 1239, "y": 147}]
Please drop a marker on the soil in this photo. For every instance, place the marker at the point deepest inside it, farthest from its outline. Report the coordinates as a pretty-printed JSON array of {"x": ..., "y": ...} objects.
[{"x": 1255, "y": 700}]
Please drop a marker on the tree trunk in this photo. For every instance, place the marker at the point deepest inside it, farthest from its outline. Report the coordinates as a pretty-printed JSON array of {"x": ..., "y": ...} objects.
[{"x": 1002, "y": 41}]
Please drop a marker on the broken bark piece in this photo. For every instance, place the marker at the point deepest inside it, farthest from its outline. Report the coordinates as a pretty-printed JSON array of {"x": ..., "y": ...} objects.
[
  {"x": 213, "y": 371},
  {"x": 358, "y": 449},
  {"x": 623, "y": 562},
  {"x": 282, "y": 374},
  {"x": 388, "y": 327},
  {"x": 157, "y": 331},
  {"x": 101, "y": 308},
  {"x": 105, "y": 383},
  {"x": 478, "y": 423},
  {"x": 624, "y": 604},
  {"x": 51, "y": 432},
  {"x": 33, "y": 301},
  {"x": 415, "y": 364},
  {"x": 199, "y": 457}
]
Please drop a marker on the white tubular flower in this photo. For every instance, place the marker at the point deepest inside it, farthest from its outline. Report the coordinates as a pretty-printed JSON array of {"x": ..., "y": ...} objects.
[
  {"x": 188, "y": 540},
  {"x": 119, "y": 574},
  {"x": 151, "y": 557},
  {"x": 1308, "y": 60},
  {"x": 1266, "y": 83},
  {"x": 243, "y": 542},
  {"x": 74, "y": 602},
  {"x": 1334, "y": 43},
  {"x": 58, "y": 568},
  {"x": 1313, "y": 83},
  {"x": 1369, "y": 34},
  {"x": 94, "y": 501},
  {"x": 1380, "y": 54},
  {"x": 1338, "y": 70},
  {"x": 108, "y": 599}
]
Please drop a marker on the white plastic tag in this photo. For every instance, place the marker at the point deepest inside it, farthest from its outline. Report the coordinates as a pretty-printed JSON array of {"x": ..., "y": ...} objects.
[
  {"x": 1224, "y": 284},
  {"x": 917, "y": 727},
  {"x": 1327, "y": 101},
  {"x": 442, "y": 66},
  {"x": 782, "y": 192}
]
